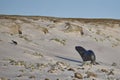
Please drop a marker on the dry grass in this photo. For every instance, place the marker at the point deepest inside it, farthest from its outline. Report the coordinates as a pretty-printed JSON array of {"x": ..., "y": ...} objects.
[
  {"x": 108, "y": 22},
  {"x": 73, "y": 28},
  {"x": 14, "y": 29},
  {"x": 98, "y": 32},
  {"x": 38, "y": 54},
  {"x": 118, "y": 39},
  {"x": 25, "y": 37},
  {"x": 43, "y": 29},
  {"x": 61, "y": 41}
]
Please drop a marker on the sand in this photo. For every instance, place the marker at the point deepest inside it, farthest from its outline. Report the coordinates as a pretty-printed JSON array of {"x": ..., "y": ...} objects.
[{"x": 45, "y": 49}]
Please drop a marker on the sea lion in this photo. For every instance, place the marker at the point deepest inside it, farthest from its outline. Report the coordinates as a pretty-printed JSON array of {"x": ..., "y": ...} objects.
[{"x": 87, "y": 55}]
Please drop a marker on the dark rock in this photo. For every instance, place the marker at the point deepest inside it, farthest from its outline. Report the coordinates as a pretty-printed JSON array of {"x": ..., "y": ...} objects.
[
  {"x": 71, "y": 69},
  {"x": 14, "y": 42},
  {"x": 47, "y": 79},
  {"x": 114, "y": 64}
]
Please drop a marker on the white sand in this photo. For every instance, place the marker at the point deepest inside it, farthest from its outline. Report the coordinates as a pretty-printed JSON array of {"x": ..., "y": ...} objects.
[{"x": 41, "y": 55}]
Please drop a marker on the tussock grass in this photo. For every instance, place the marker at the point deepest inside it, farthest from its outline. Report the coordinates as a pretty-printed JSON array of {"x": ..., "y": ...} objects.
[
  {"x": 25, "y": 37},
  {"x": 61, "y": 41},
  {"x": 96, "y": 21},
  {"x": 37, "y": 54},
  {"x": 73, "y": 28},
  {"x": 45, "y": 30}
]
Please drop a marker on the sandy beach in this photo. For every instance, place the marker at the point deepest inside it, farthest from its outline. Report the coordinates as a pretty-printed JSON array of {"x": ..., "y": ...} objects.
[{"x": 43, "y": 48}]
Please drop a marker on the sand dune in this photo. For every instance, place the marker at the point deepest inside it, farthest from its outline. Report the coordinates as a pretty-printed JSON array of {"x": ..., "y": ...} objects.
[{"x": 43, "y": 48}]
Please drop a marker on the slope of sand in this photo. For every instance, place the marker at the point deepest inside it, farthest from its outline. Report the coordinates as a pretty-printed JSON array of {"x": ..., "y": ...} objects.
[{"x": 45, "y": 48}]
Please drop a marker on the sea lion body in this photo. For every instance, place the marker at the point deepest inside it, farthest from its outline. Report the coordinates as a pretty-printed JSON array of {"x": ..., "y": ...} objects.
[{"x": 87, "y": 55}]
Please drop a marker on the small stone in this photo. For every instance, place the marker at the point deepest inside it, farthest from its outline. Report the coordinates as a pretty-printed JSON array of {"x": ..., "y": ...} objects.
[
  {"x": 114, "y": 64},
  {"x": 20, "y": 75},
  {"x": 3, "y": 78},
  {"x": 91, "y": 74},
  {"x": 21, "y": 70},
  {"x": 104, "y": 70},
  {"x": 20, "y": 63},
  {"x": 61, "y": 65},
  {"x": 47, "y": 79},
  {"x": 78, "y": 75},
  {"x": 81, "y": 68},
  {"x": 52, "y": 71},
  {"x": 32, "y": 77},
  {"x": 71, "y": 69},
  {"x": 118, "y": 79},
  {"x": 111, "y": 73},
  {"x": 74, "y": 79},
  {"x": 40, "y": 65}
]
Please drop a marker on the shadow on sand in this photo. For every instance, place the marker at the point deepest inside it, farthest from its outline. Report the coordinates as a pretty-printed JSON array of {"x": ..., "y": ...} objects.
[{"x": 68, "y": 59}]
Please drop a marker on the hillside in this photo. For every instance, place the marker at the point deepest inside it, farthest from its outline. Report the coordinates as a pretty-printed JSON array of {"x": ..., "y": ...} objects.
[{"x": 43, "y": 48}]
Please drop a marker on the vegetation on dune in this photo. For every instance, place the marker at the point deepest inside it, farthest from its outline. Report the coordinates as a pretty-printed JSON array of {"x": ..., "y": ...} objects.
[
  {"x": 41, "y": 30},
  {"x": 73, "y": 28},
  {"x": 61, "y": 41}
]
